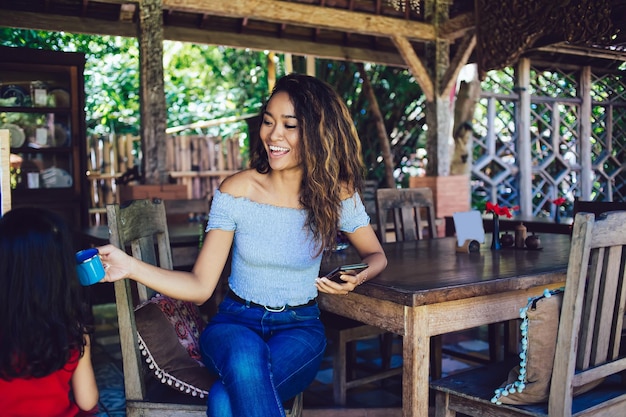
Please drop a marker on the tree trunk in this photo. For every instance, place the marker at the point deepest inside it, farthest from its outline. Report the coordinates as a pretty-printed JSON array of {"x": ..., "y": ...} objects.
[
  {"x": 464, "y": 107},
  {"x": 152, "y": 91},
  {"x": 385, "y": 147}
]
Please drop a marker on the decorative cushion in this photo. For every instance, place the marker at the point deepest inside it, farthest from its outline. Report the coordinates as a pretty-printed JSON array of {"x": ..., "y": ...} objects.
[
  {"x": 529, "y": 382},
  {"x": 169, "y": 332}
]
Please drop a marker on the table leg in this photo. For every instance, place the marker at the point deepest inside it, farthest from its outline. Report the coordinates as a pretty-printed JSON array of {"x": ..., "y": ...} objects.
[{"x": 415, "y": 353}]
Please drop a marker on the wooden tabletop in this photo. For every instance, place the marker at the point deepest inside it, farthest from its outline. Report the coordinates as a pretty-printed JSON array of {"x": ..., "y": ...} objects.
[{"x": 431, "y": 271}]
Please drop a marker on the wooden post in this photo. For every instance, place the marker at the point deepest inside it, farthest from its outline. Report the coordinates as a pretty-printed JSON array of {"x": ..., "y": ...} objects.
[
  {"x": 584, "y": 92},
  {"x": 310, "y": 65},
  {"x": 152, "y": 91},
  {"x": 288, "y": 63},
  {"x": 195, "y": 166},
  {"x": 271, "y": 71},
  {"x": 523, "y": 139}
]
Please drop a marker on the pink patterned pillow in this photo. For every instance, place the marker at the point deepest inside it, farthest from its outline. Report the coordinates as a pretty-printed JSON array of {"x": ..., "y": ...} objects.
[
  {"x": 169, "y": 332},
  {"x": 187, "y": 322}
]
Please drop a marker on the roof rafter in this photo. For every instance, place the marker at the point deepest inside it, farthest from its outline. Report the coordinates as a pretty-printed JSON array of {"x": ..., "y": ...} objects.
[{"x": 309, "y": 16}]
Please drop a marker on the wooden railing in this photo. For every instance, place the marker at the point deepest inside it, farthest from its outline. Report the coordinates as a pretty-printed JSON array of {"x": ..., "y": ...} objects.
[{"x": 199, "y": 162}]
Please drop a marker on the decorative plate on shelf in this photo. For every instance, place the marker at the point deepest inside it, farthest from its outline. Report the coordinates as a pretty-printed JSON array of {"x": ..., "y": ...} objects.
[
  {"x": 61, "y": 135},
  {"x": 16, "y": 134},
  {"x": 61, "y": 97},
  {"x": 54, "y": 177},
  {"x": 12, "y": 91}
]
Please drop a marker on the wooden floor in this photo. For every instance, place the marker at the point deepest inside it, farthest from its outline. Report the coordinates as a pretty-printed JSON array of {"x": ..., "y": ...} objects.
[{"x": 357, "y": 412}]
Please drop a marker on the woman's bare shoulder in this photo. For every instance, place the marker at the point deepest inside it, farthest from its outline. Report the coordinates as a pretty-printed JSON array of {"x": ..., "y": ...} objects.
[{"x": 240, "y": 183}]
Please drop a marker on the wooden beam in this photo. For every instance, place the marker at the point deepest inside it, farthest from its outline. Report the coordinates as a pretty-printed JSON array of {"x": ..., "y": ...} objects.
[
  {"x": 589, "y": 52},
  {"x": 128, "y": 11},
  {"x": 27, "y": 20},
  {"x": 458, "y": 61},
  {"x": 283, "y": 45},
  {"x": 415, "y": 65},
  {"x": 299, "y": 14},
  {"x": 209, "y": 123},
  {"x": 58, "y": 23},
  {"x": 133, "y": 2},
  {"x": 457, "y": 27}
]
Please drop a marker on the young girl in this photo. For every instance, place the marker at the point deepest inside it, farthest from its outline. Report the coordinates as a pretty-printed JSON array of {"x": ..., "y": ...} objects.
[
  {"x": 45, "y": 361},
  {"x": 266, "y": 342}
]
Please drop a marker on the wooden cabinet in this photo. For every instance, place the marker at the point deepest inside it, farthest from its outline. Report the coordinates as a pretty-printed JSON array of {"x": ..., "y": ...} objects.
[{"x": 42, "y": 105}]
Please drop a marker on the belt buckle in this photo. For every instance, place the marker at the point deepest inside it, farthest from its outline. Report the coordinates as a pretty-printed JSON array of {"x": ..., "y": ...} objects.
[{"x": 275, "y": 310}]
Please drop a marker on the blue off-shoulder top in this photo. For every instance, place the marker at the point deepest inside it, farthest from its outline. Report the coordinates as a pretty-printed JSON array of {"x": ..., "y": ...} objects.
[{"x": 275, "y": 260}]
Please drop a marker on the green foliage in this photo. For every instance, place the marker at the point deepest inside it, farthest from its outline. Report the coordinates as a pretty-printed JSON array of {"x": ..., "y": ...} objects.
[
  {"x": 201, "y": 82},
  {"x": 112, "y": 87},
  {"x": 401, "y": 103},
  {"x": 205, "y": 83}
]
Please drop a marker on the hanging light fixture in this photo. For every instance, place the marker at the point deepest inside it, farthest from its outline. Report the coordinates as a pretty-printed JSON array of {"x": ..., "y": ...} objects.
[{"x": 401, "y": 5}]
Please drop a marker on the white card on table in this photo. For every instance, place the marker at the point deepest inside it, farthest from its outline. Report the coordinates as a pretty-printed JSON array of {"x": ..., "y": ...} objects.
[{"x": 469, "y": 226}]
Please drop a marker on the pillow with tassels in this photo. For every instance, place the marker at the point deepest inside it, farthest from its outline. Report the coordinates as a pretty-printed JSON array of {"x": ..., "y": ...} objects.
[
  {"x": 169, "y": 332},
  {"x": 529, "y": 382}
]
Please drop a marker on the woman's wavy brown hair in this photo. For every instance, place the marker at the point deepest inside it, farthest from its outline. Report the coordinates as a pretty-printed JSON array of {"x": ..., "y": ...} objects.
[{"x": 330, "y": 152}]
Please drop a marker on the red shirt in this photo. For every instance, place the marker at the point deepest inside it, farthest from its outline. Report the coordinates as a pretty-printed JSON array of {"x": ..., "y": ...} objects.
[{"x": 47, "y": 396}]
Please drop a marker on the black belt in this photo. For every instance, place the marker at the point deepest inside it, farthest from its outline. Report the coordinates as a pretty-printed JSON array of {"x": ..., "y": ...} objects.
[{"x": 237, "y": 298}]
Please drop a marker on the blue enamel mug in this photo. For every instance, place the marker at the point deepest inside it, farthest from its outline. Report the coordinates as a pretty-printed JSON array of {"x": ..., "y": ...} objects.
[{"x": 89, "y": 266}]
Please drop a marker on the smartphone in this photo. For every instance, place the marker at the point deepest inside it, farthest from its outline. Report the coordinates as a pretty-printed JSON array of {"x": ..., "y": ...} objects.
[{"x": 335, "y": 274}]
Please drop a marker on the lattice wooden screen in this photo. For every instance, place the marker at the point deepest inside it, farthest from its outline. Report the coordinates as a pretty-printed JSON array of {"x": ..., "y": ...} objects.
[{"x": 555, "y": 135}]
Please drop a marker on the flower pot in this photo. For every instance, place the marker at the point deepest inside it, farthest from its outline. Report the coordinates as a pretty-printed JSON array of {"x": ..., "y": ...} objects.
[{"x": 451, "y": 194}]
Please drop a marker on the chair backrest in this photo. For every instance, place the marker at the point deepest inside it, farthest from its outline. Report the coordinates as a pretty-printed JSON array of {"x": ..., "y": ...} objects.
[
  {"x": 597, "y": 207},
  {"x": 141, "y": 228},
  {"x": 369, "y": 197},
  {"x": 592, "y": 314},
  {"x": 410, "y": 209},
  {"x": 194, "y": 209}
]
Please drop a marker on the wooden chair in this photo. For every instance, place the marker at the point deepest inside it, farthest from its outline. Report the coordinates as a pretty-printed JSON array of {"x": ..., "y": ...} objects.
[
  {"x": 178, "y": 211},
  {"x": 405, "y": 207},
  {"x": 411, "y": 211},
  {"x": 185, "y": 210},
  {"x": 141, "y": 228},
  {"x": 588, "y": 341},
  {"x": 597, "y": 207},
  {"x": 369, "y": 197}
]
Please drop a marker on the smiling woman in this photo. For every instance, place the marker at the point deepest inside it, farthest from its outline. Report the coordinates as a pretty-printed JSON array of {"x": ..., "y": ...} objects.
[{"x": 278, "y": 217}]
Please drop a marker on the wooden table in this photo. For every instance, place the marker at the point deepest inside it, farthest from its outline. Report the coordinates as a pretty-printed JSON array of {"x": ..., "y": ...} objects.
[{"x": 429, "y": 289}]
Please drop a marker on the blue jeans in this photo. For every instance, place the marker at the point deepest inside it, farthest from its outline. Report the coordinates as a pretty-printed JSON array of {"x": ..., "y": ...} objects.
[{"x": 262, "y": 358}]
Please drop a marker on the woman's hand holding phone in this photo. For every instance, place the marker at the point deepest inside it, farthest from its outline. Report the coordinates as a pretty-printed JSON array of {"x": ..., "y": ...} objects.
[{"x": 352, "y": 269}]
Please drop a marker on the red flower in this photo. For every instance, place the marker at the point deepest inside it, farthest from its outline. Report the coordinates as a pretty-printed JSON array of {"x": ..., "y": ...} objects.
[
  {"x": 500, "y": 211},
  {"x": 559, "y": 201}
]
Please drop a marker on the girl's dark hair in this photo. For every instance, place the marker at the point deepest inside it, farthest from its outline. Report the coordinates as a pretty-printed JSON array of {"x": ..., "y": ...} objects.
[
  {"x": 330, "y": 152},
  {"x": 43, "y": 316}
]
